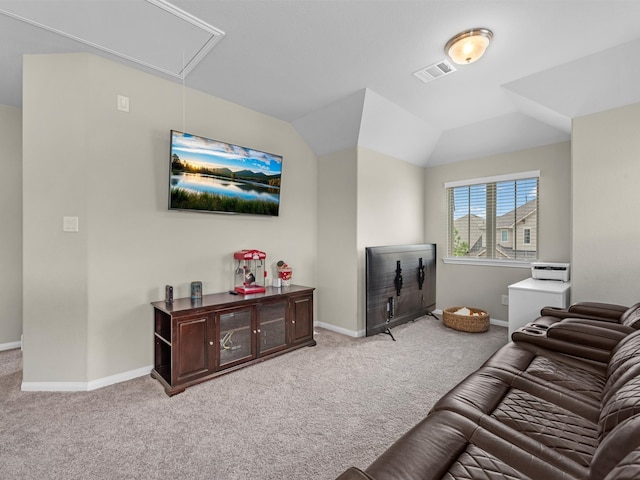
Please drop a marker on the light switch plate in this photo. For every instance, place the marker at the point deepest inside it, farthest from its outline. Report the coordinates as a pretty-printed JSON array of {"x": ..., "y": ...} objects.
[{"x": 123, "y": 103}]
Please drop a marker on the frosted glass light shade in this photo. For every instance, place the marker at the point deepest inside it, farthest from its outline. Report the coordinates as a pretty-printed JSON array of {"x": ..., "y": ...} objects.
[{"x": 468, "y": 46}]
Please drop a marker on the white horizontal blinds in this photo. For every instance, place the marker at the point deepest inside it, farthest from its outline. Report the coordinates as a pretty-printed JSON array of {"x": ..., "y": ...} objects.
[
  {"x": 506, "y": 218},
  {"x": 526, "y": 218},
  {"x": 496, "y": 219},
  {"x": 467, "y": 218}
]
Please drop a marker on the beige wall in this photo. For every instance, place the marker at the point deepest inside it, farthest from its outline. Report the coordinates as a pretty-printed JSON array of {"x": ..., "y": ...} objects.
[
  {"x": 87, "y": 314},
  {"x": 337, "y": 241},
  {"x": 483, "y": 286},
  {"x": 366, "y": 199},
  {"x": 11, "y": 230},
  {"x": 390, "y": 209},
  {"x": 86, "y": 294},
  {"x": 606, "y": 201},
  {"x": 390, "y": 200},
  {"x": 55, "y": 267}
]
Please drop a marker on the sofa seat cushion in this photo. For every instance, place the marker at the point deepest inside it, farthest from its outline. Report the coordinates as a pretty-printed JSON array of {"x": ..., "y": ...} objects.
[
  {"x": 584, "y": 382},
  {"x": 555, "y": 427},
  {"x": 482, "y": 392},
  {"x": 448, "y": 445},
  {"x": 584, "y": 379},
  {"x": 478, "y": 464},
  {"x": 562, "y": 430}
]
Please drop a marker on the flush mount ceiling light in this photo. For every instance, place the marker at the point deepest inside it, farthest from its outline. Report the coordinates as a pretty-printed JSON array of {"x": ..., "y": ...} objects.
[{"x": 468, "y": 46}]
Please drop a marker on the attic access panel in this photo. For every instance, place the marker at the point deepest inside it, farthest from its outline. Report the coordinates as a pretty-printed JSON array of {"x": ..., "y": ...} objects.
[
  {"x": 151, "y": 33},
  {"x": 390, "y": 302}
]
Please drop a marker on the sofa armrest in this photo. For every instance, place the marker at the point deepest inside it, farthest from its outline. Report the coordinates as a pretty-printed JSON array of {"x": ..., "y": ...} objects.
[
  {"x": 616, "y": 327},
  {"x": 602, "y": 338},
  {"x": 607, "y": 312},
  {"x": 571, "y": 340},
  {"x": 354, "y": 473},
  {"x": 599, "y": 309}
]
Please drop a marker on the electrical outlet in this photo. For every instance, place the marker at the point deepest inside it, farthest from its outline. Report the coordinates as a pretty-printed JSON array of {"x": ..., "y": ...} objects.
[
  {"x": 69, "y": 224},
  {"x": 505, "y": 299}
]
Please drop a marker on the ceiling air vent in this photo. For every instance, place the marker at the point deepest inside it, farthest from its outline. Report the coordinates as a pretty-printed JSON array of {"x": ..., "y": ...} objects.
[{"x": 437, "y": 70}]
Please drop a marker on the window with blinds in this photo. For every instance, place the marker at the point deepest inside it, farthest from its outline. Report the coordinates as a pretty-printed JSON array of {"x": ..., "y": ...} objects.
[{"x": 494, "y": 218}]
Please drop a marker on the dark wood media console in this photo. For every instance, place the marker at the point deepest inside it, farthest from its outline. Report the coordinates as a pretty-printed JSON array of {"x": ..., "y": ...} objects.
[{"x": 199, "y": 340}]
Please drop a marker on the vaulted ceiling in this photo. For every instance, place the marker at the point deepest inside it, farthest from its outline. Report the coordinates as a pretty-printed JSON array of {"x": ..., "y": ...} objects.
[{"x": 341, "y": 71}]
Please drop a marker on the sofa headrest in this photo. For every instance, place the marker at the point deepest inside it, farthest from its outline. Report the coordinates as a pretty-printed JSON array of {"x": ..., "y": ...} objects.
[
  {"x": 627, "y": 372},
  {"x": 618, "y": 455},
  {"x": 628, "y": 348},
  {"x": 622, "y": 404},
  {"x": 628, "y": 468},
  {"x": 631, "y": 317}
]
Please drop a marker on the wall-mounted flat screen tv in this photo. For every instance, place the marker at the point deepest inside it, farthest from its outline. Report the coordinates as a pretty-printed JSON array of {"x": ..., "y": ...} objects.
[{"x": 213, "y": 176}]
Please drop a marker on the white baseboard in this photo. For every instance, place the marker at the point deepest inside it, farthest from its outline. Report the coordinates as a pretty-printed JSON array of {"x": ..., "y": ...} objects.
[
  {"x": 85, "y": 386},
  {"x": 119, "y": 377},
  {"x": 10, "y": 346},
  {"x": 54, "y": 386},
  {"x": 343, "y": 331},
  {"x": 362, "y": 333}
]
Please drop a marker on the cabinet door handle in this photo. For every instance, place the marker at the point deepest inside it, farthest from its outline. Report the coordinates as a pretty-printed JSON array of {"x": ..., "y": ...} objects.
[
  {"x": 258, "y": 330},
  {"x": 293, "y": 321},
  {"x": 254, "y": 332},
  {"x": 211, "y": 343}
]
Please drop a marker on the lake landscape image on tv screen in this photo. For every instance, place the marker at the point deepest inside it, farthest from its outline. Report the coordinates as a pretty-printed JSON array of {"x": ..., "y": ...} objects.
[{"x": 214, "y": 176}]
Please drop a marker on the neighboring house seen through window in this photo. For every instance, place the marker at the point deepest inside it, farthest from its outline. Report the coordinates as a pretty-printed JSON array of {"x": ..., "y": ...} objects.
[{"x": 494, "y": 218}]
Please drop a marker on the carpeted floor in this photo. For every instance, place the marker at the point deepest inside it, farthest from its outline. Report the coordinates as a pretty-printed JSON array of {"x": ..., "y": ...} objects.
[{"x": 308, "y": 414}]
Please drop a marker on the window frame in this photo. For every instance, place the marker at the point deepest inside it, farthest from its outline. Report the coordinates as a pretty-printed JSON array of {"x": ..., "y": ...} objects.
[{"x": 515, "y": 263}]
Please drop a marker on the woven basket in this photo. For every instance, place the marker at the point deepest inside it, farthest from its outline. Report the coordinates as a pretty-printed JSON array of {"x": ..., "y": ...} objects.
[{"x": 466, "y": 323}]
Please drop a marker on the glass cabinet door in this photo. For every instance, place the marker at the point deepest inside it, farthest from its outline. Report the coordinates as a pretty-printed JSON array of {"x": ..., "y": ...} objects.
[
  {"x": 236, "y": 335},
  {"x": 272, "y": 327}
]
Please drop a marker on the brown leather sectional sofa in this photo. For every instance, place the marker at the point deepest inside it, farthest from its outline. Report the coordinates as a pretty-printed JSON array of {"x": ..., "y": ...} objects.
[{"x": 542, "y": 407}]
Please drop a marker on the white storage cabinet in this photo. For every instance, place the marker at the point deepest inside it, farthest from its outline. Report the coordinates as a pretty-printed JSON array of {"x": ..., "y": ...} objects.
[{"x": 528, "y": 297}]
